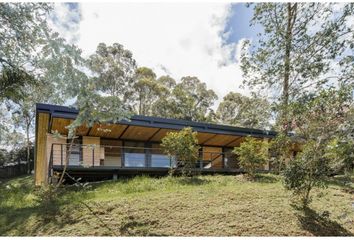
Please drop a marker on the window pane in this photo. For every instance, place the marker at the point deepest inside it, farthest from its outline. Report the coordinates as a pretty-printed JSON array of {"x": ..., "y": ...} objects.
[
  {"x": 134, "y": 154},
  {"x": 74, "y": 157},
  {"x": 134, "y": 160},
  {"x": 158, "y": 158}
]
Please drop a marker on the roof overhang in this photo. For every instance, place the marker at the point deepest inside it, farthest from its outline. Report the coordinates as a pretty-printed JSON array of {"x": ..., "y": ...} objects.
[{"x": 146, "y": 128}]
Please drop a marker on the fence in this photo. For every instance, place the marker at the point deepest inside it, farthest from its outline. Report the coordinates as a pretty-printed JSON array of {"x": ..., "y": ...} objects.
[{"x": 13, "y": 170}]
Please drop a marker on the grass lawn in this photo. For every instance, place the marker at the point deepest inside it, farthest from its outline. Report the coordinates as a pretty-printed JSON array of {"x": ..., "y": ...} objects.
[{"x": 204, "y": 206}]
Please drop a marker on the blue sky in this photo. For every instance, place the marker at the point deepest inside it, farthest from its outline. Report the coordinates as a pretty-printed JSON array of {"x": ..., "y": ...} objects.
[{"x": 238, "y": 24}]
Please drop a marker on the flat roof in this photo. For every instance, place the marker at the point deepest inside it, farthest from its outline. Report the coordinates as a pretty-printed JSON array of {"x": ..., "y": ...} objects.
[{"x": 57, "y": 111}]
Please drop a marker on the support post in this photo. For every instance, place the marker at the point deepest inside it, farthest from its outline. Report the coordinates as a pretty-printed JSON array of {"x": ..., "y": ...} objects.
[
  {"x": 93, "y": 157},
  {"x": 61, "y": 154}
]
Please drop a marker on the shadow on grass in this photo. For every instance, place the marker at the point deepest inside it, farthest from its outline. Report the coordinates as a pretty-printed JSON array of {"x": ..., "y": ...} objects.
[
  {"x": 320, "y": 225},
  {"x": 43, "y": 209},
  {"x": 345, "y": 183},
  {"x": 192, "y": 181},
  {"x": 135, "y": 227},
  {"x": 266, "y": 178}
]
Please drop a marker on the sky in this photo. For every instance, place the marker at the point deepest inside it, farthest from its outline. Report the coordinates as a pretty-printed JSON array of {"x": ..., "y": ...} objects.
[{"x": 176, "y": 39}]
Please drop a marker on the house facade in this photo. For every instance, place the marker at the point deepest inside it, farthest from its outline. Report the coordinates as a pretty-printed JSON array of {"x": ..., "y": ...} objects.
[{"x": 129, "y": 147}]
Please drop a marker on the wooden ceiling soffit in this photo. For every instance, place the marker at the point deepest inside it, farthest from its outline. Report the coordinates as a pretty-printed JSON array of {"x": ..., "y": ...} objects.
[
  {"x": 139, "y": 133},
  {"x": 235, "y": 142},
  {"x": 160, "y": 134},
  {"x": 107, "y": 130},
  {"x": 220, "y": 140},
  {"x": 202, "y": 137},
  {"x": 60, "y": 124}
]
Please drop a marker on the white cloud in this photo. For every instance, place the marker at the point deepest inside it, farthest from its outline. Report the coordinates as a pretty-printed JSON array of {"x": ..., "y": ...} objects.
[{"x": 179, "y": 39}]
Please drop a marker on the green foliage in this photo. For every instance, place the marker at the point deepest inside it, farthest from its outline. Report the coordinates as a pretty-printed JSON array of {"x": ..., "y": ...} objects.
[
  {"x": 148, "y": 90},
  {"x": 192, "y": 100},
  {"x": 291, "y": 58},
  {"x": 183, "y": 147},
  {"x": 310, "y": 169},
  {"x": 114, "y": 68},
  {"x": 252, "y": 155},
  {"x": 341, "y": 155},
  {"x": 318, "y": 119},
  {"x": 280, "y": 151},
  {"x": 243, "y": 111}
]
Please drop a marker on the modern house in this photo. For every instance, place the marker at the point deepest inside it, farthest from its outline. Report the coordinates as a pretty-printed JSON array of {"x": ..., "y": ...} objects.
[{"x": 129, "y": 147}]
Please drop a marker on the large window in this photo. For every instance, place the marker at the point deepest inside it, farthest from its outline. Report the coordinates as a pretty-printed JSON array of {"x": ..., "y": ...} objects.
[
  {"x": 158, "y": 158},
  {"x": 134, "y": 154}
]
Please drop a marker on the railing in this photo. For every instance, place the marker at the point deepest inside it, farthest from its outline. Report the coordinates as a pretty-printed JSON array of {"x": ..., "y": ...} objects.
[{"x": 126, "y": 157}]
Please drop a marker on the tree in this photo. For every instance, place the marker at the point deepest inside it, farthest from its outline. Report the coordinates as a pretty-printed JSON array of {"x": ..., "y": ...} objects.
[
  {"x": 242, "y": 111},
  {"x": 183, "y": 147},
  {"x": 252, "y": 155},
  {"x": 24, "y": 31},
  {"x": 163, "y": 106},
  {"x": 340, "y": 154},
  {"x": 301, "y": 46},
  {"x": 148, "y": 90},
  {"x": 318, "y": 119},
  {"x": 114, "y": 69},
  {"x": 192, "y": 100}
]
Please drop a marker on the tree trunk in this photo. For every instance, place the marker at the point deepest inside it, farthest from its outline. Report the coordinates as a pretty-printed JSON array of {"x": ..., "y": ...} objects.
[
  {"x": 28, "y": 160},
  {"x": 288, "y": 44}
]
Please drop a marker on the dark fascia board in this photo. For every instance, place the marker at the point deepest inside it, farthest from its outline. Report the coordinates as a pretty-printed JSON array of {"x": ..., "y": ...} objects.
[{"x": 157, "y": 122}]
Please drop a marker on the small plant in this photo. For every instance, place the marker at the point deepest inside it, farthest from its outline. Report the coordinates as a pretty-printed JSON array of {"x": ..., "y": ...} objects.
[
  {"x": 183, "y": 147},
  {"x": 253, "y": 154},
  {"x": 47, "y": 198}
]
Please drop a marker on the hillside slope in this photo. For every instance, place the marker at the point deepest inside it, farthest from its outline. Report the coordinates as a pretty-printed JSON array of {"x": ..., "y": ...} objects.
[{"x": 205, "y": 206}]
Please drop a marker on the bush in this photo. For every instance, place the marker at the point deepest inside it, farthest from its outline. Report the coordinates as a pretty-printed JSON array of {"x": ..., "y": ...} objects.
[
  {"x": 308, "y": 170},
  {"x": 183, "y": 147},
  {"x": 253, "y": 154}
]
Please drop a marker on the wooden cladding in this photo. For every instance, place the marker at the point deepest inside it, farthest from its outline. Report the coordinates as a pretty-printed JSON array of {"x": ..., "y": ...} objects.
[
  {"x": 59, "y": 149},
  {"x": 91, "y": 151},
  {"x": 41, "y": 163}
]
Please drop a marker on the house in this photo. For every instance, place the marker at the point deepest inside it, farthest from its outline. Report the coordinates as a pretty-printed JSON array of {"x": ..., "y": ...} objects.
[{"x": 128, "y": 147}]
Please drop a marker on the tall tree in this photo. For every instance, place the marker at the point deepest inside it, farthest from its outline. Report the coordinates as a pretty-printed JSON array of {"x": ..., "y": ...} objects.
[
  {"x": 23, "y": 32},
  {"x": 192, "y": 100},
  {"x": 147, "y": 89},
  {"x": 302, "y": 44},
  {"x": 113, "y": 68},
  {"x": 243, "y": 111},
  {"x": 163, "y": 106}
]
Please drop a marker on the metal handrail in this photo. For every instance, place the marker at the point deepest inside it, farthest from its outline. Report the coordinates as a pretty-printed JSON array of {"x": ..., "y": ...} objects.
[{"x": 64, "y": 146}]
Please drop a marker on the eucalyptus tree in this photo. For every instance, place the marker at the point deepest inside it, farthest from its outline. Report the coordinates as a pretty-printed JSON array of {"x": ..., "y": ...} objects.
[
  {"x": 302, "y": 48},
  {"x": 23, "y": 32},
  {"x": 114, "y": 68},
  {"x": 163, "y": 106},
  {"x": 191, "y": 100},
  {"x": 239, "y": 110},
  {"x": 147, "y": 89}
]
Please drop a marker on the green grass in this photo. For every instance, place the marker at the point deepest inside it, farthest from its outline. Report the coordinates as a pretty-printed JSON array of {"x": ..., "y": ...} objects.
[{"x": 176, "y": 206}]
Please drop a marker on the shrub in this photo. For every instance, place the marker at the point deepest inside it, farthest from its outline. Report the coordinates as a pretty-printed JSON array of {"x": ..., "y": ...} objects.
[
  {"x": 253, "y": 154},
  {"x": 279, "y": 150},
  {"x": 308, "y": 170},
  {"x": 183, "y": 147}
]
